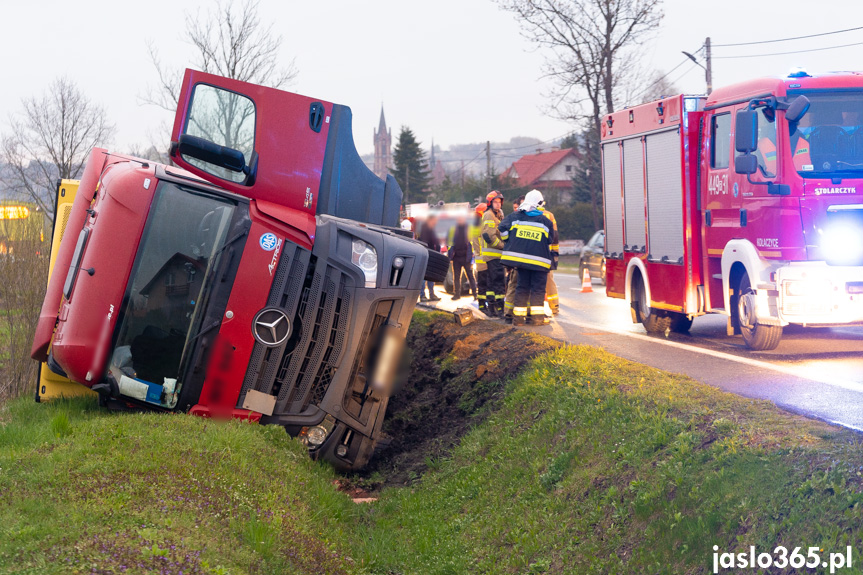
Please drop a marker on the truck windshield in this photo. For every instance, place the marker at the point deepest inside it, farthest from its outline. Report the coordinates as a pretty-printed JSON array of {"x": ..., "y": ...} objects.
[
  {"x": 182, "y": 241},
  {"x": 828, "y": 140}
]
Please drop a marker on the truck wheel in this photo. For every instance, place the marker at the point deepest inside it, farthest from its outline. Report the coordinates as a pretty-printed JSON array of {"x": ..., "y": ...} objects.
[
  {"x": 653, "y": 320},
  {"x": 437, "y": 267},
  {"x": 680, "y": 323},
  {"x": 756, "y": 336}
]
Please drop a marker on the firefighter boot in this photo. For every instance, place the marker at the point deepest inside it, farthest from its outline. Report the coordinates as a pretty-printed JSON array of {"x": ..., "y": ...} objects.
[
  {"x": 538, "y": 320},
  {"x": 518, "y": 320}
]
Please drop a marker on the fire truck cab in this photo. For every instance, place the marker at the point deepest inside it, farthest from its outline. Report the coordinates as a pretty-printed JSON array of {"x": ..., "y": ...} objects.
[{"x": 748, "y": 202}]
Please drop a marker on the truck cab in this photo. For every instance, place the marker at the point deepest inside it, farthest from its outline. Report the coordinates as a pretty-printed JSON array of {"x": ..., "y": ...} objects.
[{"x": 259, "y": 278}]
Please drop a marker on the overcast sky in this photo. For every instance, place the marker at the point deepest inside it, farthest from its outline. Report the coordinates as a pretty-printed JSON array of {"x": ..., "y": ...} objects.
[{"x": 457, "y": 71}]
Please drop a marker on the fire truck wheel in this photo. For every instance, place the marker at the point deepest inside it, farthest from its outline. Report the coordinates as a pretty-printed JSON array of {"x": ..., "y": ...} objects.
[
  {"x": 680, "y": 323},
  {"x": 653, "y": 320},
  {"x": 756, "y": 336}
]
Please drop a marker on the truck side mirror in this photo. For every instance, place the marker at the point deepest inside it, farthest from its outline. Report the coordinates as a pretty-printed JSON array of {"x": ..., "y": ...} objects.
[
  {"x": 746, "y": 132},
  {"x": 211, "y": 153},
  {"x": 797, "y": 109},
  {"x": 745, "y": 164}
]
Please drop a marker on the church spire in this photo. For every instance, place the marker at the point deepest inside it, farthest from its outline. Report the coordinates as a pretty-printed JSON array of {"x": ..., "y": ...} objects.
[{"x": 382, "y": 125}]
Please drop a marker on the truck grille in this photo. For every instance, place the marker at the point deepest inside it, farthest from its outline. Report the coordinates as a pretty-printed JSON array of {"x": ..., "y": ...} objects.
[{"x": 317, "y": 297}]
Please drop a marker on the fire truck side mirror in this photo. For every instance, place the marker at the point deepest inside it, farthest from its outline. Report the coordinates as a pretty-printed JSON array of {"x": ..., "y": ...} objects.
[
  {"x": 746, "y": 131},
  {"x": 745, "y": 164},
  {"x": 797, "y": 109}
]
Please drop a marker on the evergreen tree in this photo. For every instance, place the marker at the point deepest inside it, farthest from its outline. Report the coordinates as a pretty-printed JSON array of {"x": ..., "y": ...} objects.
[{"x": 411, "y": 169}]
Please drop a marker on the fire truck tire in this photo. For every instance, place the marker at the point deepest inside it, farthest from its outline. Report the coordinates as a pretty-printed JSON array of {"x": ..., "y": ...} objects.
[
  {"x": 680, "y": 323},
  {"x": 756, "y": 336},
  {"x": 653, "y": 320},
  {"x": 437, "y": 268}
]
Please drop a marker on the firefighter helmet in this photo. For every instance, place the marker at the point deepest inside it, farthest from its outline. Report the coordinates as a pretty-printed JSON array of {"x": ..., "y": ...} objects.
[
  {"x": 481, "y": 208},
  {"x": 493, "y": 195}
]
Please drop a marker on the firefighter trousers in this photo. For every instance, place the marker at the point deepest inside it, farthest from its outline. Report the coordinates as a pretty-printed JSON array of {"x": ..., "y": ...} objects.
[
  {"x": 509, "y": 301},
  {"x": 551, "y": 294},
  {"x": 495, "y": 289},
  {"x": 481, "y": 286},
  {"x": 530, "y": 291}
]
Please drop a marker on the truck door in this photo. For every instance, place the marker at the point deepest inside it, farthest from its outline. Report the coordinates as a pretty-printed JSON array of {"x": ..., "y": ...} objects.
[
  {"x": 719, "y": 203},
  {"x": 257, "y": 142}
]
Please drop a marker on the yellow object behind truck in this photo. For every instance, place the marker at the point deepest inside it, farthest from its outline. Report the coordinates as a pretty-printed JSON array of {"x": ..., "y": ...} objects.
[{"x": 51, "y": 385}]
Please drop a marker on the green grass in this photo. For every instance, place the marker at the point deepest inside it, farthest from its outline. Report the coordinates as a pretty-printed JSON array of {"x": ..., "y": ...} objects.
[
  {"x": 82, "y": 491},
  {"x": 597, "y": 465},
  {"x": 590, "y": 464}
]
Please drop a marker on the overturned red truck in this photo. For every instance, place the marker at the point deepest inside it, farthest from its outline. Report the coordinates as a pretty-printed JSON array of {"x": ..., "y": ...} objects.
[
  {"x": 261, "y": 277},
  {"x": 747, "y": 202}
]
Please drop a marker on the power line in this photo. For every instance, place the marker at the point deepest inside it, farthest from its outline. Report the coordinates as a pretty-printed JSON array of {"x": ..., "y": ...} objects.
[
  {"x": 787, "y": 39},
  {"x": 791, "y": 52},
  {"x": 661, "y": 78}
]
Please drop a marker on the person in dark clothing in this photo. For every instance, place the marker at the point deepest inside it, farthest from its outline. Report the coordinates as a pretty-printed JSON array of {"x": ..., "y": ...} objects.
[
  {"x": 529, "y": 236},
  {"x": 428, "y": 236},
  {"x": 460, "y": 255}
]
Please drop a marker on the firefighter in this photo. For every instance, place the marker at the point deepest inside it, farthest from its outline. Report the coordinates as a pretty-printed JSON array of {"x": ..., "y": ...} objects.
[
  {"x": 476, "y": 245},
  {"x": 529, "y": 235},
  {"x": 512, "y": 277},
  {"x": 492, "y": 248},
  {"x": 551, "y": 287}
]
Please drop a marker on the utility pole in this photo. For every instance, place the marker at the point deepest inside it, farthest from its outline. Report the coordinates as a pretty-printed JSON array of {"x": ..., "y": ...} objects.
[
  {"x": 708, "y": 70},
  {"x": 488, "y": 166}
]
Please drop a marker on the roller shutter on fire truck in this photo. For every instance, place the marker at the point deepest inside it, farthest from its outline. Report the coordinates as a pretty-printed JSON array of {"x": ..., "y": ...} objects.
[{"x": 664, "y": 193}]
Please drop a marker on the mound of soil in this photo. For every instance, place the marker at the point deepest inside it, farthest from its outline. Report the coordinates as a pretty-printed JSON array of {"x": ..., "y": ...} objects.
[{"x": 455, "y": 376}]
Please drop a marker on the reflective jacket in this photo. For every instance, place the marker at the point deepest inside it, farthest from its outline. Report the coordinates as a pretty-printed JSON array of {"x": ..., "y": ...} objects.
[
  {"x": 491, "y": 242},
  {"x": 529, "y": 237},
  {"x": 555, "y": 247},
  {"x": 476, "y": 244}
]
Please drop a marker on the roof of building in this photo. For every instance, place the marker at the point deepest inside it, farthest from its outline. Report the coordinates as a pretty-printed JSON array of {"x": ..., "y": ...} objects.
[{"x": 528, "y": 169}]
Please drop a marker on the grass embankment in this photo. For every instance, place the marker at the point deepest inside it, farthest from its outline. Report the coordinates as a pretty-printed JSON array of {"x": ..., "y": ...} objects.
[
  {"x": 583, "y": 463},
  {"x": 85, "y": 491}
]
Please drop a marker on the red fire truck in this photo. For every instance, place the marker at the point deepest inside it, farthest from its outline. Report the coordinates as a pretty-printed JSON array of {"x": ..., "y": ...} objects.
[
  {"x": 258, "y": 279},
  {"x": 748, "y": 202}
]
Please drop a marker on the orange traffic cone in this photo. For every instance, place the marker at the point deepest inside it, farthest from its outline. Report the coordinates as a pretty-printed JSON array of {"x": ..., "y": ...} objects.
[{"x": 586, "y": 285}]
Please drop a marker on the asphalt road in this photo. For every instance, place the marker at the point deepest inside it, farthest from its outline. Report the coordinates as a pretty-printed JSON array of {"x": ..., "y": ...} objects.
[{"x": 816, "y": 372}]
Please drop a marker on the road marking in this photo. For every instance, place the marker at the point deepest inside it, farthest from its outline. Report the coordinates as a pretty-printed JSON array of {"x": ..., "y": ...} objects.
[{"x": 849, "y": 385}]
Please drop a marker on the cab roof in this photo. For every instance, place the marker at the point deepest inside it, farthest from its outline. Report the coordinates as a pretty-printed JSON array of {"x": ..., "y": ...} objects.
[{"x": 779, "y": 86}]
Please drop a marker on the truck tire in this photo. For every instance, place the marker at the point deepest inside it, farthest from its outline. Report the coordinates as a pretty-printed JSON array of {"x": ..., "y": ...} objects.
[
  {"x": 680, "y": 323},
  {"x": 437, "y": 268},
  {"x": 756, "y": 336},
  {"x": 653, "y": 320}
]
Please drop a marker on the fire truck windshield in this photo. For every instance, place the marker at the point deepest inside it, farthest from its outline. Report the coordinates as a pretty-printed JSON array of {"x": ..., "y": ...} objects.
[
  {"x": 828, "y": 140},
  {"x": 182, "y": 242}
]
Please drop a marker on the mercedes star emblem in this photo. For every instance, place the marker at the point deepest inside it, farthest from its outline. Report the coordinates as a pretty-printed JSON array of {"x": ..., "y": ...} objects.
[{"x": 271, "y": 327}]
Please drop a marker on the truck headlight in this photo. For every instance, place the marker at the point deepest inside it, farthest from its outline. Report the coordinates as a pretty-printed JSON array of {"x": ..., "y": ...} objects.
[
  {"x": 807, "y": 288},
  {"x": 842, "y": 244},
  {"x": 364, "y": 256}
]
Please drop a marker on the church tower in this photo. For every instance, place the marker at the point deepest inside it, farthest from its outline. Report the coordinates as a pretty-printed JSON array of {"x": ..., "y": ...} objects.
[{"x": 383, "y": 148}]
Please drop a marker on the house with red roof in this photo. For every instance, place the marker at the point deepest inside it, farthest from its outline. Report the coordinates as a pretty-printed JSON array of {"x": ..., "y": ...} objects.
[{"x": 549, "y": 172}]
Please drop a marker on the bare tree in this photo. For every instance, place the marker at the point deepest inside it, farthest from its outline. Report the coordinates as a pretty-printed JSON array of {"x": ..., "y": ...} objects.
[
  {"x": 230, "y": 41},
  {"x": 50, "y": 139},
  {"x": 592, "y": 51}
]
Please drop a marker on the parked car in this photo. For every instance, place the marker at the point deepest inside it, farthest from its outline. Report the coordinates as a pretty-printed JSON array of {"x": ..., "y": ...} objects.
[{"x": 593, "y": 257}]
